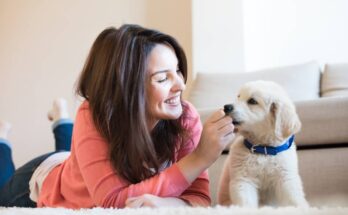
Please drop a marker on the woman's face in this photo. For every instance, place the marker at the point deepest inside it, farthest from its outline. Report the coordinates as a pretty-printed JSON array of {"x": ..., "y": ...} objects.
[{"x": 165, "y": 85}]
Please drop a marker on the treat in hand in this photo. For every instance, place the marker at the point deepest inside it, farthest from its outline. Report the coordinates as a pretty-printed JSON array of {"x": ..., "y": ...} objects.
[{"x": 228, "y": 108}]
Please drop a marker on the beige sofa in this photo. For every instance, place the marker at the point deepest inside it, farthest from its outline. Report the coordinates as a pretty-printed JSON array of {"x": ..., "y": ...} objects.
[{"x": 321, "y": 98}]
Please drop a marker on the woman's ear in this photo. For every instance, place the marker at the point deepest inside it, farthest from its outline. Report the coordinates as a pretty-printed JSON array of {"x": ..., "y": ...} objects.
[{"x": 286, "y": 120}]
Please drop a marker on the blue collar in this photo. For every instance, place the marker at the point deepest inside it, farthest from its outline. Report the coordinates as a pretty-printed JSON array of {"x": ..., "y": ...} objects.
[{"x": 269, "y": 150}]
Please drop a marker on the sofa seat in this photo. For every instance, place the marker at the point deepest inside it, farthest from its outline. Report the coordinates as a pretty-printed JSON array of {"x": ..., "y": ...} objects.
[{"x": 318, "y": 170}]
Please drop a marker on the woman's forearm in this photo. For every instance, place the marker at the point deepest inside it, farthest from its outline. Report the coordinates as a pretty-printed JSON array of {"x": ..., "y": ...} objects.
[{"x": 192, "y": 166}]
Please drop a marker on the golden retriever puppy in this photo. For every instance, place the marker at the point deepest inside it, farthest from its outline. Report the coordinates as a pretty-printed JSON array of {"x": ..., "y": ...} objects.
[{"x": 261, "y": 168}]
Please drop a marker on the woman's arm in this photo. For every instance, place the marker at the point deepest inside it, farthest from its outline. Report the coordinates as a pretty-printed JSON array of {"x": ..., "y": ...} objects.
[
  {"x": 204, "y": 149},
  {"x": 105, "y": 187}
]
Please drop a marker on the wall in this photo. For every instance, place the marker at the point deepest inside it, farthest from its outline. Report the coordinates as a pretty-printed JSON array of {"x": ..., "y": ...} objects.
[
  {"x": 249, "y": 35},
  {"x": 174, "y": 18},
  {"x": 43, "y": 48},
  {"x": 218, "y": 43},
  {"x": 43, "y": 45},
  {"x": 286, "y": 32}
]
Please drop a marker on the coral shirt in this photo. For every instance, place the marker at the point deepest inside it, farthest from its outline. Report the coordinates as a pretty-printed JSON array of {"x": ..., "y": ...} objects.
[{"x": 86, "y": 179}]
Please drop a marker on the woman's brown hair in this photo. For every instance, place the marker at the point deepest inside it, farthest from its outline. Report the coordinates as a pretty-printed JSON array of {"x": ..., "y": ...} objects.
[{"x": 113, "y": 81}]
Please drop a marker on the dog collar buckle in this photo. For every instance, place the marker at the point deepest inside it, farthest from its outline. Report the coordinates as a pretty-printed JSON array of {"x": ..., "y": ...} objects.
[{"x": 253, "y": 149}]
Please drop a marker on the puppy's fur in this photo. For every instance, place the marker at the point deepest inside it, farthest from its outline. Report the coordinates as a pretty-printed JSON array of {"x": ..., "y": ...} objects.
[{"x": 263, "y": 114}]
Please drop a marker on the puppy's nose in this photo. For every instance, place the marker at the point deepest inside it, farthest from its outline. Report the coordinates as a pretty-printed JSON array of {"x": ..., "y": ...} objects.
[{"x": 228, "y": 108}]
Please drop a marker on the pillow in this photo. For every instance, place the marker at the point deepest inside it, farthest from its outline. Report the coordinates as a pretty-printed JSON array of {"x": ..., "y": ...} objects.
[
  {"x": 212, "y": 90},
  {"x": 335, "y": 80}
]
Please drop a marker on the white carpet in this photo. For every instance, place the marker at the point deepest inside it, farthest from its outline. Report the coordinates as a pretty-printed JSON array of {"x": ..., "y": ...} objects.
[{"x": 178, "y": 211}]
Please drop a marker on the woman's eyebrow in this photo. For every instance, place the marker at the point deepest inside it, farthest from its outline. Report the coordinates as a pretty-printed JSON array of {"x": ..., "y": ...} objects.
[{"x": 159, "y": 72}]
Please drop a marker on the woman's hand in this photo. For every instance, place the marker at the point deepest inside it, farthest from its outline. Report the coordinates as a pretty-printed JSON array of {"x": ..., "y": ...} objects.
[
  {"x": 148, "y": 200},
  {"x": 217, "y": 133}
]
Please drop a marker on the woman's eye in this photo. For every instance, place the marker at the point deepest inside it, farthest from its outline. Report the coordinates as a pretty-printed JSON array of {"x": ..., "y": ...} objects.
[
  {"x": 252, "y": 101},
  {"x": 162, "y": 79}
]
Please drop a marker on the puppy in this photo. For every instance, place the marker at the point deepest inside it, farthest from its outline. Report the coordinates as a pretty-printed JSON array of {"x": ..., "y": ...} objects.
[{"x": 261, "y": 168}]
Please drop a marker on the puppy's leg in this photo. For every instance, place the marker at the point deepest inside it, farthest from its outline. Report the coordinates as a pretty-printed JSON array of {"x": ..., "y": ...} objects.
[
  {"x": 244, "y": 194},
  {"x": 290, "y": 191}
]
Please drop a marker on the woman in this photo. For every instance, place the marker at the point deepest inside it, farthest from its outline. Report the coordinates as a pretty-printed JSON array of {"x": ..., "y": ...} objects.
[{"x": 135, "y": 141}]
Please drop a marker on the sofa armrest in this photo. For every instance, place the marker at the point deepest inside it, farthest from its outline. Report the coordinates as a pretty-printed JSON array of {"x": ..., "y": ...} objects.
[{"x": 324, "y": 121}]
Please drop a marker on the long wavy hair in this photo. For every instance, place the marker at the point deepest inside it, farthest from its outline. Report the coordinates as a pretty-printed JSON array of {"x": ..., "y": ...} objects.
[{"x": 113, "y": 81}]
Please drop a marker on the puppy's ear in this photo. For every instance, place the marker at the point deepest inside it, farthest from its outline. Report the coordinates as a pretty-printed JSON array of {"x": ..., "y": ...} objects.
[{"x": 286, "y": 121}]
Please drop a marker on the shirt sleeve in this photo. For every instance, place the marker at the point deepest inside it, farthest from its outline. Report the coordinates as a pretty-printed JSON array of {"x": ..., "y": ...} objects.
[
  {"x": 105, "y": 187},
  {"x": 197, "y": 194}
]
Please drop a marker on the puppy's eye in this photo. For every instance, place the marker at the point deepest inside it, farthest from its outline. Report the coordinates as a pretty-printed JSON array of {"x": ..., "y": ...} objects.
[{"x": 252, "y": 101}]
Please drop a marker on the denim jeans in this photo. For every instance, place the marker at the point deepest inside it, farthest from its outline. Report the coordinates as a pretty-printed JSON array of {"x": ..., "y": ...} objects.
[{"x": 14, "y": 184}]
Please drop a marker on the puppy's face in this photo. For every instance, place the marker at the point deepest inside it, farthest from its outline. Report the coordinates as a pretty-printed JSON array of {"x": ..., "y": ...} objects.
[{"x": 264, "y": 112}]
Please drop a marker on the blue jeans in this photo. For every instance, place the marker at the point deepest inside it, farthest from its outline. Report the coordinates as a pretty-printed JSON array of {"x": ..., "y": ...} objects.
[{"x": 14, "y": 184}]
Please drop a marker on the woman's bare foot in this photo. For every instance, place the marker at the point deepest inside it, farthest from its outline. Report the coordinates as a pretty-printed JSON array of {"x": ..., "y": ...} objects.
[
  {"x": 59, "y": 110},
  {"x": 5, "y": 128}
]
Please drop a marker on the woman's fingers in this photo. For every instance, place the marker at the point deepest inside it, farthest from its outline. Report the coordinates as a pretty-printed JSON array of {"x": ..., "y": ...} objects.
[
  {"x": 145, "y": 200},
  {"x": 134, "y": 202},
  {"x": 226, "y": 121},
  {"x": 226, "y": 130},
  {"x": 216, "y": 116},
  {"x": 219, "y": 120}
]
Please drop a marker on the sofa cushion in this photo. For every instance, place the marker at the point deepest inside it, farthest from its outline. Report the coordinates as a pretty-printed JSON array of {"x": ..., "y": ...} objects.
[
  {"x": 335, "y": 80},
  {"x": 216, "y": 89},
  {"x": 324, "y": 121}
]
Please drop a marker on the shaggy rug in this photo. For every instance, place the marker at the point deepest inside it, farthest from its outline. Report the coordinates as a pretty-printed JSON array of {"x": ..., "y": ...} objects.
[{"x": 218, "y": 210}]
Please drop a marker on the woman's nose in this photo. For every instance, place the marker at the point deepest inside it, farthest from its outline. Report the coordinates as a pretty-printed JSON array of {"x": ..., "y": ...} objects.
[{"x": 179, "y": 83}]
